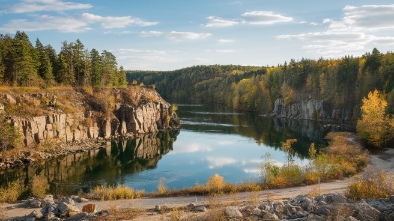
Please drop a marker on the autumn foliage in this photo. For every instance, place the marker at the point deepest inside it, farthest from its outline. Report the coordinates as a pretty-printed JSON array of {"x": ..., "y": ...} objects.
[{"x": 375, "y": 127}]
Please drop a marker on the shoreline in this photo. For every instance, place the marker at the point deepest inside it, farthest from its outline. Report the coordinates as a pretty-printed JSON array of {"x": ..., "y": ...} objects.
[{"x": 382, "y": 160}]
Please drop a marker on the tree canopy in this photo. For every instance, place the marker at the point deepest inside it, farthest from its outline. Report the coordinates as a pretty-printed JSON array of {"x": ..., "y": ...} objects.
[{"x": 22, "y": 64}]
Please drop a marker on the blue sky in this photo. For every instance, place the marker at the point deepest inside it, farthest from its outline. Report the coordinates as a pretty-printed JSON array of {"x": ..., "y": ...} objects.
[{"x": 172, "y": 34}]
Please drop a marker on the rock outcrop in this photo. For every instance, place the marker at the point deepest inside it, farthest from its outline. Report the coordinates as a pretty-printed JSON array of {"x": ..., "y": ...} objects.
[
  {"x": 311, "y": 109},
  {"x": 149, "y": 115}
]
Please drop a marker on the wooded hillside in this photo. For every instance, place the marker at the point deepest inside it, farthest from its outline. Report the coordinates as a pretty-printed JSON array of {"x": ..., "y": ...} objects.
[{"x": 340, "y": 83}]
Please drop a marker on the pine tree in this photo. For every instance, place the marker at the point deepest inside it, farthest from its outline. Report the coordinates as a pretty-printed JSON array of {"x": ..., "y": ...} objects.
[
  {"x": 95, "y": 70},
  {"x": 44, "y": 64}
]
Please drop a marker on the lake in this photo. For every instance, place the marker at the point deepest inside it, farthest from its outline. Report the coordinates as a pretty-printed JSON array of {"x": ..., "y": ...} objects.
[{"x": 212, "y": 140}]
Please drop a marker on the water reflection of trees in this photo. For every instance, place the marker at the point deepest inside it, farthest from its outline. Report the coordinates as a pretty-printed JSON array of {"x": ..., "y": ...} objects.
[
  {"x": 266, "y": 130},
  {"x": 103, "y": 166}
]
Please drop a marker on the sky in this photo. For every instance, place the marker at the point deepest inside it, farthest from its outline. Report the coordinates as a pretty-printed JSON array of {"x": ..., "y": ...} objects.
[{"x": 173, "y": 34}]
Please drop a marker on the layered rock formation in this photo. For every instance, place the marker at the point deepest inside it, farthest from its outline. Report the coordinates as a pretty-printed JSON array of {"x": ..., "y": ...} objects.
[
  {"x": 311, "y": 109},
  {"x": 150, "y": 114}
]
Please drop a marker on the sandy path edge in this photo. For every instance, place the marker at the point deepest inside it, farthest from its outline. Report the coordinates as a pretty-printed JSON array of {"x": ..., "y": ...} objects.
[{"x": 383, "y": 160}]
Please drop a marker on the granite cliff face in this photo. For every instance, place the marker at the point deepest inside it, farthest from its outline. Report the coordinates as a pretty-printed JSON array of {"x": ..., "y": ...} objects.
[
  {"x": 311, "y": 109},
  {"x": 112, "y": 113}
]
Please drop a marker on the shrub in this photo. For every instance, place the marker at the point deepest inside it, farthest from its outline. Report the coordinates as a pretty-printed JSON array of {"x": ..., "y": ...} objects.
[
  {"x": 215, "y": 183},
  {"x": 11, "y": 193},
  {"x": 161, "y": 188},
  {"x": 39, "y": 186},
  {"x": 372, "y": 185}
]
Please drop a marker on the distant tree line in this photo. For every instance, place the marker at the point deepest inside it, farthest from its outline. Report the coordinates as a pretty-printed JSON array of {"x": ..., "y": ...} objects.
[
  {"x": 22, "y": 64},
  {"x": 340, "y": 83}
]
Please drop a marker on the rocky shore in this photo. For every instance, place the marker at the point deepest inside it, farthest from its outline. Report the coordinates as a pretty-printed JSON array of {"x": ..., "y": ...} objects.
[{"x": 323, "y": 207}]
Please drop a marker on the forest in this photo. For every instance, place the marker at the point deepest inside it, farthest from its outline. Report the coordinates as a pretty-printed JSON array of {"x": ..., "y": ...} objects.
[
  {"x": 22, "y": 64},
  {"x": 340, "y": 83}
]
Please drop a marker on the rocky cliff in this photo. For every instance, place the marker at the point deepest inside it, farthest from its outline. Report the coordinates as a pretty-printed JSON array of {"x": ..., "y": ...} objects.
[
  {"x": 74, "y": 115},
  {"x": 311, "y": 109}
]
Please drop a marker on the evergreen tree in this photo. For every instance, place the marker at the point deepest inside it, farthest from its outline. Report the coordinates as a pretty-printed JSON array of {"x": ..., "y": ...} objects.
[
  {"x": 95, "y": 70},
  {"x": 44, "y": 64},
  {"x": 66, "y": 65}
]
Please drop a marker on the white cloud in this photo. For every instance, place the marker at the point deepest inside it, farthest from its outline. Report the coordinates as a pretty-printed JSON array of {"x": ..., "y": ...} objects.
[
  {"x": 45, "y": 22},
  {"x": 151, "y": 33},
  {"x": 72, "y": 24},
  {"x": 201, "y": 60},
  {"x": 221, "y": 51},
  {"x": 225, "y": 142},
  {"x": 131, "y": 50},
  {"x": 264, "y": 18},
  {"x": 27, "y": 6},
  {"x": 115, "y": 22},
  {"x": 220, "y": 162},
  {"x": 225, "y": 41},
  {"x": 175, "y": 35},
  {"x": 191, "y": 148},
  {"x": 369, "y": 16},
  {"x": 354, "y": 33},
  {"x": 219, "y": 22}
]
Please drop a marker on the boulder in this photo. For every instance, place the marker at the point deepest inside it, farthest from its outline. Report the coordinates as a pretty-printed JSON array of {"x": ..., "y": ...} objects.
[
  {"x": 79, "y": 199},
  {"x": 62, "y": 209},
  {"x": 270, "y": 216},
  {"x": 89, "y": 208},
  {"x": 67, "y": 200},
  {"x": 49, "y": 198},
  {"x": 232, "y": 212},
  {"x": 36, "y": 214},
  {"x": 77, "y": 217},
  {"x": 380, "y": 206},
  {"x": 331, "y": 198}
]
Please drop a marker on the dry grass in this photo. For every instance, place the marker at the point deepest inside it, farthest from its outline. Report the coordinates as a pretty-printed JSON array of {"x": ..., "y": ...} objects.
[
  {"x": 112, "y": 193},
  {"x": 214, "y": 186},
  {"x": 123, "y": 214},
  {"x": 372, "y": 185}
]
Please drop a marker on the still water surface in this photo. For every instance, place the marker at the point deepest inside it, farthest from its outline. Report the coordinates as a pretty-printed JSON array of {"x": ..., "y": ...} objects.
[{"x": 211, "y": 141}]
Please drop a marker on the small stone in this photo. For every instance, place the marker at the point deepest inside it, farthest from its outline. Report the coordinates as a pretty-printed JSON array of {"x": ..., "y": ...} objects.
[
  {"x": 191, "y": 205},
  {"x": 200, "y": 209},
  {"x": 77, "y": 217}
]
